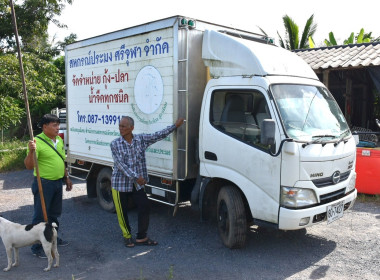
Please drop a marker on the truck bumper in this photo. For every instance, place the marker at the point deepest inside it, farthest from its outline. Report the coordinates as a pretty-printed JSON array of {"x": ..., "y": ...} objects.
[{"x": 290, "y": 219}]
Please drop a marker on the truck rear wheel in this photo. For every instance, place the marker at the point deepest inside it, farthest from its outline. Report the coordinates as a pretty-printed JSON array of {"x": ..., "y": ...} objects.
[
  {"x": 232, "y": 222},
  {"x": 104, "y": 191}
]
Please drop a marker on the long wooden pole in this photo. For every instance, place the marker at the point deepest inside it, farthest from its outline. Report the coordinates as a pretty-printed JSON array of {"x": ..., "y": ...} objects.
[{"x": 28, "y": 112}]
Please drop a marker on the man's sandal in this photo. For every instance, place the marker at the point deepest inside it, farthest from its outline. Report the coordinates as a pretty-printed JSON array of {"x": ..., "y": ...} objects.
[
  {"x": 128, "y": 242},
  {"x": 147, "y": 242}
]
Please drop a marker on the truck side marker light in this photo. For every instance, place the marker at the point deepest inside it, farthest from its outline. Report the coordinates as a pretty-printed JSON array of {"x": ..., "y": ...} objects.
[
  {"x": 191, "y": 23},
  {"x": 166, "y": 182},
  {"x": 183, "y": 21}
]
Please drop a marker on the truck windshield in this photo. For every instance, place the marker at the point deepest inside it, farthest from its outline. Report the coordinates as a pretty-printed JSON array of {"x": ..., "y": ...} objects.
[{"x": 310, "y": 113}]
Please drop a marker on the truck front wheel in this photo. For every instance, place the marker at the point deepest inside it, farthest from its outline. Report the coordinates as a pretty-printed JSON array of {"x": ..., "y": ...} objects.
[
  {"x": 232, "y": 222},
  {"x": 103, "y": 189}
]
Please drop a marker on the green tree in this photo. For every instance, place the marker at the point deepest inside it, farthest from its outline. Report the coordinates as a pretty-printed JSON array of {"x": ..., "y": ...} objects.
[
  {"x": 43, "y": 82},
  {"x": 67, "y": 40},
  {"x": 291, "y": 39},
  {"x": 59, "y": 62},
  {"x": 360, "y": 38},
  {"x": 10, "y": 112},
  {"x": 33, "y": 18}
]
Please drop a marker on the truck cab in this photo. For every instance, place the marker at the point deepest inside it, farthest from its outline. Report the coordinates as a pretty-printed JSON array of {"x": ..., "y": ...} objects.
[{"x": 284, "y": 151}]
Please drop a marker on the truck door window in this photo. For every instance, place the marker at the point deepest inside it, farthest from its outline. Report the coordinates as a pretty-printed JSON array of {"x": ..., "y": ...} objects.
[{"x": 239, "y": 114}]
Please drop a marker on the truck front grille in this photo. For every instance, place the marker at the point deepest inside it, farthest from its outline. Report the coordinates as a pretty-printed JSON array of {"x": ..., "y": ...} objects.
[
  {"x": 330, "y": 197},
  {"x": 324, "y": 182}
]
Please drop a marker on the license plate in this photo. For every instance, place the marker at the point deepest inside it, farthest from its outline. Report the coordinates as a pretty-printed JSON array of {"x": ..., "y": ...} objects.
[{"x": 334, "y": 212}]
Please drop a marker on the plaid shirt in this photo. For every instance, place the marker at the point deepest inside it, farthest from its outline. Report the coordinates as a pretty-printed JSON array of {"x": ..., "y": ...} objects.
[{"x": 129, "y": 159}]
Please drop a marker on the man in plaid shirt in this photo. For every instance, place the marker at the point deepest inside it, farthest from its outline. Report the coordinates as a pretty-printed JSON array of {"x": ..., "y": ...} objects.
[{"x": 130, "y": 175}]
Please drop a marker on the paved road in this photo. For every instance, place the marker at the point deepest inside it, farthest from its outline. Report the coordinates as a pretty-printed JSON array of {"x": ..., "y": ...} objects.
[{"x": 346, "y": 249}]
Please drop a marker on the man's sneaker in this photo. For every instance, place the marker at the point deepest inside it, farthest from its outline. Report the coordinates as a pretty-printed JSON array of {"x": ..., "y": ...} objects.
[
  {"x": 61, "y": 242},
  {"x": 40, "y": 254}
]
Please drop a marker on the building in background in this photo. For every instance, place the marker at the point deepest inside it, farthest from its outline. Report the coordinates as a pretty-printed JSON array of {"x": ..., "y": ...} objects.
[{"x": 352, "y": 73}]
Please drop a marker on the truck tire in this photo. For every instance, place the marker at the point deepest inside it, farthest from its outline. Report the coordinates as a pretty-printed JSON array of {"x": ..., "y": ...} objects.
[
  {"x": 103, "y": 189},
  {"x": 232, "y": 222}
]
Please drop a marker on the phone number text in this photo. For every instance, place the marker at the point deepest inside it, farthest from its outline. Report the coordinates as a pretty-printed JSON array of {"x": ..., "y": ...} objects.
[{"x": 99, "y": 119}]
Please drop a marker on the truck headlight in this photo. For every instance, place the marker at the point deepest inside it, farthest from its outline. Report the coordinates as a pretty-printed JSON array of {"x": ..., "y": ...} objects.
[
  {"x": 351, "y": 184},
  {"x": 297, "y": 198}
]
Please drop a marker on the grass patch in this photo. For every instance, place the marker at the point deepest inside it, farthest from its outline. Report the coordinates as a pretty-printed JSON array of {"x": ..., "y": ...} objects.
[
  {"x": 368, "y": 197},
  {"x": 12, "y": 154}
]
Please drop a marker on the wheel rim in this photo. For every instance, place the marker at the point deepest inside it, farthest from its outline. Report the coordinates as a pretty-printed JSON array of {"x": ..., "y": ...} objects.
[{"x": 223, "y": 219}]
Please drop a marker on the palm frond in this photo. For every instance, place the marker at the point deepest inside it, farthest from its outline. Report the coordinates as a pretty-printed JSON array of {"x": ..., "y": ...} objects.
[
  {"x": 308, "y": 31},
  {"x": 262, "y": 30},
  {"x": 281, "y": 41},
  {"x": 292, "y": 29}
]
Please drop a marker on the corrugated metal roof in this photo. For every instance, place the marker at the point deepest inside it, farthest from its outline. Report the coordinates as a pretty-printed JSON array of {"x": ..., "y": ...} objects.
[{"x": 344, "y": 56}]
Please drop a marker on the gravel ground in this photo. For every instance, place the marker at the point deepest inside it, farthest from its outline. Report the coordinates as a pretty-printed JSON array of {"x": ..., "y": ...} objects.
[{"x": 189, "y": 249}]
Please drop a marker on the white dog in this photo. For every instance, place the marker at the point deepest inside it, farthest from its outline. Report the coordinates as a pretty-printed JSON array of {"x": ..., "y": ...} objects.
[{"x": 16, "y": 236}]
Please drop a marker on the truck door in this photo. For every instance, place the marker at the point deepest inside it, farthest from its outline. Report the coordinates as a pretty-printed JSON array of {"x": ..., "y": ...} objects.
[{"x": 231, "y": 149}]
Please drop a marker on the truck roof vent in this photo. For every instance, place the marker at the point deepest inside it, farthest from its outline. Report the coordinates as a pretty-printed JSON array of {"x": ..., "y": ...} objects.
[
  {"x": 187, "y": 23},
  {"x": 229, "y": 55},
  {"x": 257, "y": 38}
]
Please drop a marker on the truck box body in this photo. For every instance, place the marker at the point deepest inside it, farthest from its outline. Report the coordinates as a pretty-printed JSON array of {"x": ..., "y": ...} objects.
[
  {"x": 264, "y": 141},
  {"x": 152, "y": 73}
]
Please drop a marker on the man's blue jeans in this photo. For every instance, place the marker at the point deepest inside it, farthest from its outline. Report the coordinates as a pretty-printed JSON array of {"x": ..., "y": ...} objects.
[{"x": 52, "y": 191}]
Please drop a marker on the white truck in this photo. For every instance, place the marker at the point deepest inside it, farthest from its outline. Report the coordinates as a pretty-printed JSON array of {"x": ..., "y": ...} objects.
[
  {"x": 61, "y": 114},
  {"x": 264, "y": 141}
]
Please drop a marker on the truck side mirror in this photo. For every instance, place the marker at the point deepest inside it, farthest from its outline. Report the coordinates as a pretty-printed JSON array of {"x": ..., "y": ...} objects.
[
  {"x": 356, "y": 137},
  {"x": 268, "y": 128}
]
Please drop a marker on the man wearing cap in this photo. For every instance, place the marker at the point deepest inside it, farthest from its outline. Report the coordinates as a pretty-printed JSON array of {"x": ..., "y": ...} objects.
[{"x": 50, "y": 155}]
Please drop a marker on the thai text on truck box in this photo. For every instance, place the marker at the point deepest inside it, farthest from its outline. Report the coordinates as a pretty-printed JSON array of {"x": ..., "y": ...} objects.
[{"x": 131, "y": 76}]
